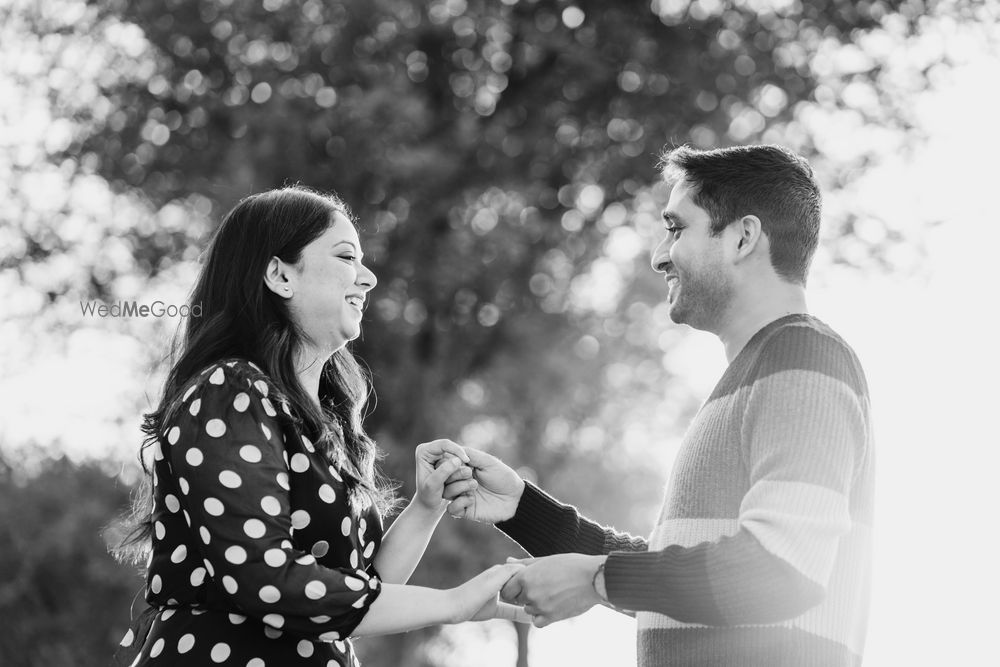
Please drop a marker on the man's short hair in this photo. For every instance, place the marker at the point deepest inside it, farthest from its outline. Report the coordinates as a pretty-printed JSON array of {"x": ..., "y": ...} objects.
[{"x": 770, "y": 182}]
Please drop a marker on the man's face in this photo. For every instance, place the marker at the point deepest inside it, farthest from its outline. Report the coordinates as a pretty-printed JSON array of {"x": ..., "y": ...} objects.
[{"x": 693, "y": 263}]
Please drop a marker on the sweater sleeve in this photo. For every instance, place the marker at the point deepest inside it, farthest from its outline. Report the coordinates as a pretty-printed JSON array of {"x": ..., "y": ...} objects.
[
  {"x": 804, "y": 430},
  {"x": 225, "y": 448},
  {"x": 543, "y": 526}
]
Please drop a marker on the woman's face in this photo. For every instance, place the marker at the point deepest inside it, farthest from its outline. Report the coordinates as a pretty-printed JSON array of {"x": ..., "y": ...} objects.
[{"x": 329, "y": 286}]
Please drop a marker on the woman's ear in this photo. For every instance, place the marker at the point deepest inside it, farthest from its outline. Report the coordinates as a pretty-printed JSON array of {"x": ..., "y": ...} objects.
[{"x": 278, "y": 278}]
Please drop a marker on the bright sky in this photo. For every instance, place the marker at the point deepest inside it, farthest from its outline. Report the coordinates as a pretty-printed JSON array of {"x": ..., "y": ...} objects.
[{"x": 926, "y": 341}]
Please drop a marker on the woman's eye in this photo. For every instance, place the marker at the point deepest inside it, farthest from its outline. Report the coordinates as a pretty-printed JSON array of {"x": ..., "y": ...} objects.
[
  {"x": 674, "y": 230},
  {"x": 349, "y": 258}
]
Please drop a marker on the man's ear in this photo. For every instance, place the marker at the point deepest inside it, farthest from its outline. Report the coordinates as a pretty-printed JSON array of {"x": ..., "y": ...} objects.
[
  {"x": 278, "y": 278},
  {"x": 749, "y": 235}
]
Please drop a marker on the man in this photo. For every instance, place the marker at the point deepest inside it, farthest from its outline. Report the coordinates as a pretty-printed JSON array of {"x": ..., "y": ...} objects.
[{"x": 760, "y": 555}]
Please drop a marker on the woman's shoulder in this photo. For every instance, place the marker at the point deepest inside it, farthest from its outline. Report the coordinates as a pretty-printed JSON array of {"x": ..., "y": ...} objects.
[{"x": 230, "y": 376}]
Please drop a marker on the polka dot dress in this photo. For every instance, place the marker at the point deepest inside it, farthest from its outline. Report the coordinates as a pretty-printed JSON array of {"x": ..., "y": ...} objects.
[{"x": 257, "y": 559}]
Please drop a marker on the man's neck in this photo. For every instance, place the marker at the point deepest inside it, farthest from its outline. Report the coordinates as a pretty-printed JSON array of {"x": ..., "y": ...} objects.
[{"x": 755, "y": 311}]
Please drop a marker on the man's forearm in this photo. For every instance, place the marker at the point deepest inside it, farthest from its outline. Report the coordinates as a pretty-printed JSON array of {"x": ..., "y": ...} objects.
[{"x": 543, "y": 526}]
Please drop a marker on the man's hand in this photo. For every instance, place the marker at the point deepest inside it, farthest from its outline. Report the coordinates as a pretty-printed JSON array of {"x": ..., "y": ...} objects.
[
  {"x": 555, "y": 587},
  {"x": 491, "y": 495}
]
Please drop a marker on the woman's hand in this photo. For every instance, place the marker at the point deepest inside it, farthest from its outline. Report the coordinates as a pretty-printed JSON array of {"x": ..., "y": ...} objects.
[
  {"x": 478, "y": 598},
  {"x": 436, "y": 462}
]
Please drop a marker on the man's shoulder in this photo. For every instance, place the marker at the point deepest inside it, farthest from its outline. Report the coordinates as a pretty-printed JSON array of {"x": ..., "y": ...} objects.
[{"x": 806, "y": 344}]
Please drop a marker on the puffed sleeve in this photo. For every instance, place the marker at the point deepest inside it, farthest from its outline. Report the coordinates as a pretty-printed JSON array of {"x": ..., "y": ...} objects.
[{"x": 225, "y": 449}]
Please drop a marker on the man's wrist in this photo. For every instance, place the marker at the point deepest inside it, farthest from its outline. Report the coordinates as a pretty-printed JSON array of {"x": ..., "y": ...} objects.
[{"x": 600, "y": 587}]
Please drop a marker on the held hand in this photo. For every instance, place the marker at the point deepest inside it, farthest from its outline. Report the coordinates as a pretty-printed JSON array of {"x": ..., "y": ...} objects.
[
  {"x": 555, "y": 587},
  {"x": 437, "y": 461},
  {"x": 491, "y": 495},
  {"x": 477, "y": 599}
]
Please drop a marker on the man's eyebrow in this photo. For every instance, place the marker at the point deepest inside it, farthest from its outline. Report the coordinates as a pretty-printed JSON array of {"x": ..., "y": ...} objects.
[{"x": 669, "y": 216}]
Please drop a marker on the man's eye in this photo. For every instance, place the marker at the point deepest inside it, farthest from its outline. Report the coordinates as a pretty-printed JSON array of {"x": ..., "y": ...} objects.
[
  {"x": 349, "y": 258},
  {"x": 674, "y": 230}
]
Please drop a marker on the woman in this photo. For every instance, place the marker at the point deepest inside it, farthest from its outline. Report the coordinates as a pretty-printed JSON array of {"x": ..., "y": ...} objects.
[{"x": 263, "y": 508}]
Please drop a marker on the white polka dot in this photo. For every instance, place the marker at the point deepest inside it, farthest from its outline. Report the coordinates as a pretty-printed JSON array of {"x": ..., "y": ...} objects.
[
  {"x": 322, "y": 618},
  {"x": 187, "y": 518},
  {"x": 284, "y": 406},
  {"x": 214, "y": 506},
  {"x": 183, "y": 483},
  {"x": 194, "y": 457},
  {"x": 236, "y": 619},
  {"x": 320, "y": 549},
  {"x": 306, "y": 559},
  {"x": 241, "y": 402},
  {"x": 230, "y": 479},
  {"x": 250, "y": 454},
  {"x": 329, "y": 636},
  {"x": 198, "y": 576},
  {"x": 157, "y": 648},
  {"x": 186, "y": 643},
  {"x": 187, "y": 394},
  {"x": 305, "y": 648},
  {"x": 274, "y": 620},
  {"x": 270, "y": 505},
  {"x": 255, "y": 662},
  {"x": 156, "y": 584},
  {"x": 128, "y": 638},
  {"x": 179, "y": 554},
  {"x": 266, "y": 431},
  {"x": 261, "y": 387},
  {"x": 157, "y": 451},
  {"x": 300, "y": 462},
  {"x": 327, "y": 494},
  {"x": 215, "y": 428},
  {"x": 168, "y": 612},
  {"x": 369, "y": 550},
  {"x": 206, "y": 537},
  {"x": 275, "y": 557},
  {"x": 354, "y": 584},
  {"x": 172, "y": 503},
  {"x": 345, "y": 526},
  {"x": 354, "y": 558},
  {"x": 336, "y": 474},
  {"x": 373, "y": 584},
  {"x": 209, "y": 567},
  {"x": 254, "y": 528},
  {"x": 195, "y": 407},
  {"x": 307, "y": 443},
  {"x": 360, "y": 602},
  {"x": 220, "y": 652},
  {"x": 362, "y": 527},
  {"x": 286, "y": 544},
  {"x": 340, "y": 646},
  {"x": 300, "y": 519},
  {"x": 269, "y": 594},
  {"x": 229, "y": 584},
  {"x": 284, "y": 454},
  {"x": 315, "y": 590},
  {"x": 173, "y": 435},
  {"x": 218, "y": 377},
  {"x": 282, "y": 479},
  {"x": 268, "y": 408},
  {"x": 236, "y": 555},
  {"x": 159, "y": 529},
  {"x": 271, "y": 633},
  {"x": 197, "y": 612}
]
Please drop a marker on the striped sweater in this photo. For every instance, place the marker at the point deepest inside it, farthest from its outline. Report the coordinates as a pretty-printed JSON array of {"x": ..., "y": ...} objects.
[{"x": 760, "y": 555}]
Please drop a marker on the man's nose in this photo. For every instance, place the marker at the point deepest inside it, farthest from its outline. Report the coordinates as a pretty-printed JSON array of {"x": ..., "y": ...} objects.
[{"x": 660, "y": 259}]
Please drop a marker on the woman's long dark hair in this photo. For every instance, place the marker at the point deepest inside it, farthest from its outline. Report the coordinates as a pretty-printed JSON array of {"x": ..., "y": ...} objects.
[{"x": 242, "y": 318}]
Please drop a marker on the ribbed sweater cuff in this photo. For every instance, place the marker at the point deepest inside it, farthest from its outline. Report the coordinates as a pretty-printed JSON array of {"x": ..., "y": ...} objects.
[
  {"x": 632, "y": 578},
  {"x": 543, "y": 526}
]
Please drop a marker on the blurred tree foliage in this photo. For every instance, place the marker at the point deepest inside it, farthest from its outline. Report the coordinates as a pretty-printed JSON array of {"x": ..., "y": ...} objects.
[
  {"x": 500, "y": 157},
  {"x": 61, "y": 597}
]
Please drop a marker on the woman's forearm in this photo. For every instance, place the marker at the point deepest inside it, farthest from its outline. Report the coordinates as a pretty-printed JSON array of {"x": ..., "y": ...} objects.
[
  {"x": 405, "y": 542},
  {"x": 403, "y": 608}
]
